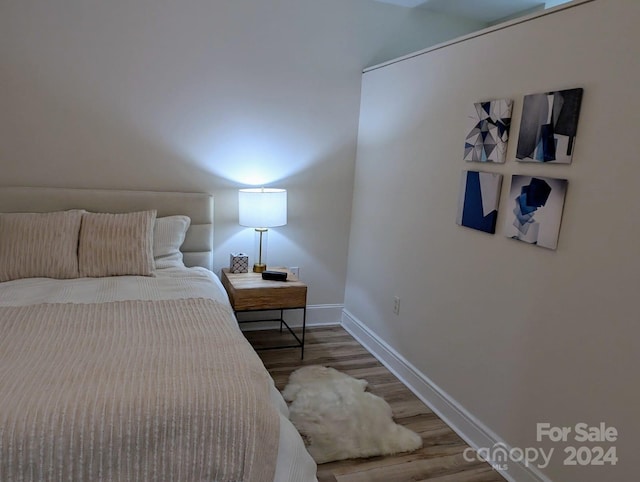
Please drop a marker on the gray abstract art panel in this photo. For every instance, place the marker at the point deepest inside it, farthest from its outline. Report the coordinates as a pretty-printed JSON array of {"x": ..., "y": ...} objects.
[{"x": 548, "y": 127}]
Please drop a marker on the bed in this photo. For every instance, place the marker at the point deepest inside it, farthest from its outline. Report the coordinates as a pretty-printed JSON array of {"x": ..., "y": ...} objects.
[{"x": 140, "y": 375}]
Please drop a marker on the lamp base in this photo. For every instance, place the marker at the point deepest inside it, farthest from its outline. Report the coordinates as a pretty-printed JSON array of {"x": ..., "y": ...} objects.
[{"x": 259, "y": 268}]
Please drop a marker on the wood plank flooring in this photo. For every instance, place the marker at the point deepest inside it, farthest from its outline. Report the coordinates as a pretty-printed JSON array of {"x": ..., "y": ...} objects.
[{"x": 441, "y": 457}]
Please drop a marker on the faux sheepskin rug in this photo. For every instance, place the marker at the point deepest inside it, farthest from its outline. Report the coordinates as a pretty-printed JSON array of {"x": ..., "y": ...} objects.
[{"x": 339, "y": 420}]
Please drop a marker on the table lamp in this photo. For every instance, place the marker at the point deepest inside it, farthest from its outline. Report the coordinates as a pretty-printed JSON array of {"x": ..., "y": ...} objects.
[{"x": 262, "y": 208}]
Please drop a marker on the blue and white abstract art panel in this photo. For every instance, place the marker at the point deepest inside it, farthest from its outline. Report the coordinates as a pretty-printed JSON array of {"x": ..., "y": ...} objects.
[
  {"x": 536, "y": 205},
  {"x": 488, "y": 131},
  {"x": 478, "y": 200}
]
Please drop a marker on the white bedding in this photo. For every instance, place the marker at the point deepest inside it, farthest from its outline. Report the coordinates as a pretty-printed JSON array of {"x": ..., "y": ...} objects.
[
  {"x": 294, "y": 464},
  {"x": 167, "y": 284}
]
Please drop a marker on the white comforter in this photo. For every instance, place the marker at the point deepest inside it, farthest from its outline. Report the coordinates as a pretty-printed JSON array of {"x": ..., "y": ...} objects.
[
  {"x": 294, "y": 464},
  {"x": 168, "y": 284}
]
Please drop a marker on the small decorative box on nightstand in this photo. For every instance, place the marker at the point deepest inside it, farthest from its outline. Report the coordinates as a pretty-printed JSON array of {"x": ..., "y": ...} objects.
[
  {"x": 239, "y": 263},
  {"x": 249, "y": 292}
]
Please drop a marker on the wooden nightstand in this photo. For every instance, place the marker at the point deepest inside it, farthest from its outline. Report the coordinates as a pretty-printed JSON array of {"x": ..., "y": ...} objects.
[{"x": 249, "y": 292}]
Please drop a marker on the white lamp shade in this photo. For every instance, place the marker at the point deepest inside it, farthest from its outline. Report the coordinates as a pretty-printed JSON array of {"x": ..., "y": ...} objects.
[{"x": 262, "y": 208}]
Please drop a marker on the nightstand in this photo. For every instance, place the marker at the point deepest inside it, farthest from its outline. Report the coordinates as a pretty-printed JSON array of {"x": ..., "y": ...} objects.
[{"x": 249, "y": 292}]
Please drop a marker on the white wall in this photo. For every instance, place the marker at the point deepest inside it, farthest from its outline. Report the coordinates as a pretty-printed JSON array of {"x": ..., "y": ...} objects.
[
  {"x": 207, "y": 96},
  {"x": 514, "y": 334}
]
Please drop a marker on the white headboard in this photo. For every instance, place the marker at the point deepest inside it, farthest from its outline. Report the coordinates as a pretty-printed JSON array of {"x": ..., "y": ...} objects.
[{"x": 197, "y": 247}]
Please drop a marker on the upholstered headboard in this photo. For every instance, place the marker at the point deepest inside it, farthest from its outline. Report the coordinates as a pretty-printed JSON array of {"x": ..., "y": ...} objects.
[{"x": 198, "y": 244}]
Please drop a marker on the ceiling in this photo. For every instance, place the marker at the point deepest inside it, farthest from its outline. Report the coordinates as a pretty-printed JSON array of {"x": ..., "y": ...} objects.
[{"x": 482, "y": 10}]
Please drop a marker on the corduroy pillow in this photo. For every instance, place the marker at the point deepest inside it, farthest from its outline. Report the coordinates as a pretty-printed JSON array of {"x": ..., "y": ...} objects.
[
  {"x": 39, "y": 245},
  {"x": 116, "y": 244},
  {"x": 168, "y": 235}
]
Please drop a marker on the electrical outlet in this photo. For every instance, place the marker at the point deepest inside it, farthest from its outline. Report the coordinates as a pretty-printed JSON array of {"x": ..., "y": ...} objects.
[
  {"x": 296, "y": 271},
  {"x": 396, "y": 305}
]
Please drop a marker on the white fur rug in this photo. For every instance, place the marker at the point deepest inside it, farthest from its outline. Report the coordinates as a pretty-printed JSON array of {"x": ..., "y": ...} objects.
[{"x": 339, "y": 420}]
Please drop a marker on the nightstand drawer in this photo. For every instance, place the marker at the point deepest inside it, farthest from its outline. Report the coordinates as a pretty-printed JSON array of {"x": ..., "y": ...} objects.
[
  {"x": 269, "y": 298},
  {"x": 248, "y": 291}
]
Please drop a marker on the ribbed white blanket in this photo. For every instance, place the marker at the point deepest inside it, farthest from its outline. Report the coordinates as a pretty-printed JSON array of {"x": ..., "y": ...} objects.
[{"x": 132, "y": 390}]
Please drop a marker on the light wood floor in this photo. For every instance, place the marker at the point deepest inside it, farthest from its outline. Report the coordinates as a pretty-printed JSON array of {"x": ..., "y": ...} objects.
[{"x": 440, "y": 458}]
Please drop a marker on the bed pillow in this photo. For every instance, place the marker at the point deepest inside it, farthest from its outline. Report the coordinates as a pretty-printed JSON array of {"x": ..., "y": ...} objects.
[
  {"x": 168, "y": 235},
  {"x": 116, "y": 244},
  {"x": 39, "y": 245}
]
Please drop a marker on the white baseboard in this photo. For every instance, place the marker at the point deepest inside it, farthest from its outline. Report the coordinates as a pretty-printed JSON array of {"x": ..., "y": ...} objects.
[
  {"x": 324, "y": 315},
  {"x": 474, "y": 432},
  {"x": 317, "y": 315}
]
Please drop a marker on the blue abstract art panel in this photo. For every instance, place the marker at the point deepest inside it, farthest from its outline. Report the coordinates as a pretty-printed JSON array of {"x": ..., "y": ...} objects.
[
  {"x": 537, "y": 204},
  {"x": 478, "y": 200},
  {"x": 489, "y": 131},
  {"x": 548, "y": 127}
]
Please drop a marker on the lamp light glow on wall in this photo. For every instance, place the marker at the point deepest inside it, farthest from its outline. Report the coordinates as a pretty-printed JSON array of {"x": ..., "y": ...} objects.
[{"x": 262, "y": 208}]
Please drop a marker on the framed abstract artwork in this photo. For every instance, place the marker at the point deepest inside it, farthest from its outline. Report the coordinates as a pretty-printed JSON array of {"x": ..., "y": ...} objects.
[
  {"x": 548, "y": 126},
  {"x": 535, "y": 210},
  {"x": 488, "y": 131},
  {"x": 478, "y": 200}
]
